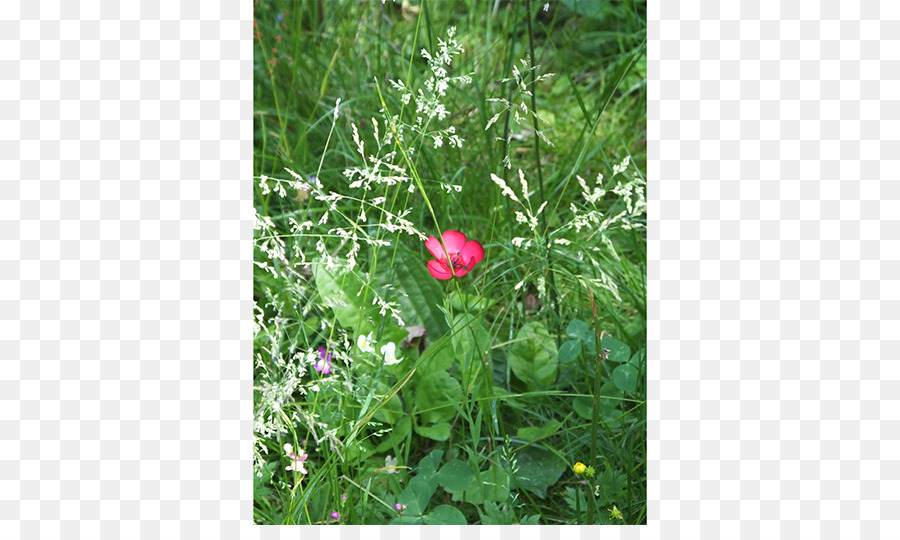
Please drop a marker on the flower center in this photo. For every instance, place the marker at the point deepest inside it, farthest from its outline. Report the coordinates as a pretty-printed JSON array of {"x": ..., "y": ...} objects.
[{"x": 455, "y": 262}]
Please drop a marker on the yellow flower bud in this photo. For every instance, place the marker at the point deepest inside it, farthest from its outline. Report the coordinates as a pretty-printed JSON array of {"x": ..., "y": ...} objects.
[{"x": 579, "y": 468}]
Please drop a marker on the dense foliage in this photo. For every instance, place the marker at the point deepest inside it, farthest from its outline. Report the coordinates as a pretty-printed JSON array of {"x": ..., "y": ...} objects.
[{"x": 511, "y": 389}]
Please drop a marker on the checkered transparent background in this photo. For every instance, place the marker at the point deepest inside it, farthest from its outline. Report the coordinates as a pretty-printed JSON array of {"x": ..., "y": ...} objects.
[{"x": 125, "y": 273}]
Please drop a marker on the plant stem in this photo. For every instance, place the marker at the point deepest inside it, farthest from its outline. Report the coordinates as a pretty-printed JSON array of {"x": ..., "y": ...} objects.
[
  {"x": 540, "y": 174},
  {"x": 595, "y": 416}
]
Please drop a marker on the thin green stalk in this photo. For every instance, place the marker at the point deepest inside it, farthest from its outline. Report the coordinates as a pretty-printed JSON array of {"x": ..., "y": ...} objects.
[
  {"x": 477, "y": 356},
  {"x": 537, "y": 160},
  {"x": 534, "y": 119},
  {"x": 595, "y": 416}
]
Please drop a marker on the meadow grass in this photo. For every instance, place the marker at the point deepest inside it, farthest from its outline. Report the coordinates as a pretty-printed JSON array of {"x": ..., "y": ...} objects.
[{"x": 514, "y": 393}]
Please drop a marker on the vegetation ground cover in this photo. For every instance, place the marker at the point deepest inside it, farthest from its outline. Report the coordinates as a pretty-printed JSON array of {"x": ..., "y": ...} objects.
[{"x": 450, "y": 250}]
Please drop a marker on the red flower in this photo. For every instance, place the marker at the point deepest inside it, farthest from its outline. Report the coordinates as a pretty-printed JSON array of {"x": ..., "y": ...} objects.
[{"x": 463, "y": 255}]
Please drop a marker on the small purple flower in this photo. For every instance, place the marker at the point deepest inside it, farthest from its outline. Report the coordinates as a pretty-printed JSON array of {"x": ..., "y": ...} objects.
[
  {"x": 323, "y": 364},
  {"x": 400, "y": 507},
  {"x": 344, "y": 497},
  {"x": 279, "y": 17},
  {"x": 335, "y": 515}
]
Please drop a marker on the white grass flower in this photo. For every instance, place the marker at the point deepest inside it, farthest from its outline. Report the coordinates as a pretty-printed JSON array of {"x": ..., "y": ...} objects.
[
  {"x": 620, "y": 168},
  {"x": 504, "y": 188},
  {"x": 390, "y": 357}
]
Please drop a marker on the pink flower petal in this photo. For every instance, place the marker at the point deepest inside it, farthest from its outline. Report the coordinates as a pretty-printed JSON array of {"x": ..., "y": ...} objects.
[
  {"x": 437, "y": 270},
  {"x": 435, "y": 247},
  {"x": 454, "y": 241},
  {"x": 472, "y": 253}
]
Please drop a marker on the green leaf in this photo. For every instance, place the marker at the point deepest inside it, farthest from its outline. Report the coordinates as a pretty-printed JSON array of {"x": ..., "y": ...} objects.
[
  {"x": 445, "y": 515},
  {"x": 472, "y": 301},
  {"x": 608, "y": 402},
  {"x": 570, "y": 351},
  {"x": 437, "y": 432},
  {"x": 347, "y": 296},
  {"x": 579, "y": 330},
  {"x": 393, "y": 408},
  {"x": 494, "y": 484},
  {"x": 423, "y": 295},
  {"x": 618, "y": 351},
  {"x": 464, "y": 341},
  {"x": 538, "y": 432},
  {"x": 434, "y": 394},
  {"x": 637, "y": 360},
  {"x": 455, "y": 475},
  {"x": 538, "y": 469},
  {"x": 443, "y": 357},
  {"x": 340, "y": 291},
  {"x": 592, "y": 9},
  {"x": 626, "y": 377},
  {"x": 397, "y": 435},
  {"x": 428, "y": 466},
  {"x": 583, "y": 406},
  {"x": 533, "y": 357},
  {"x": 489, "y": 485},
  {"x": 416, "y": 496},
  {"x": 407, "y": 520},
  {"x": 611, "y": 484}
]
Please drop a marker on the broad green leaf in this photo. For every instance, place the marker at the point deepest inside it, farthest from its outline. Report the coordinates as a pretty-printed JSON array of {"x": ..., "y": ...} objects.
[
  {"x": 340, "y": 291},
  {"x": 637, "y": 360},
  {"x": 583, "y": 406},
  {"x": 455, "y": 475},
  {"x": 489, "y": 485},
  {"x": 494, "y": 485},
  {"x": 608, "y": 403},
  {"x": 421, "y": 293},
  {"x": 396, "y": 436},
  {"x": 392, "y": 411},
  {"x": 416, "y": 496},
  {"x": 538, "y": 432},
  {"x": 533, "y": 357},
  {"x": 434, "y": 394},
  {"x": 467, "y": 331},
  {"x": 538, "y": 469},
  {"x": 618, "y": 351},
  {"x": 428, "y": 466},
  {"x": 445, "y": 515},
  {"x": 592, "y": 9},
  {"x": 473, "y": 302},
  {"x": 443, "y": 357},
  {"x": 626, "y": 377},
  {"x": 579, "y": 330},
  {"x": 407, "y": 520},
  {"x": 437, "y": 432},
  {"x": 348, "y": 296},
  {"x": 570, "y": 351}
]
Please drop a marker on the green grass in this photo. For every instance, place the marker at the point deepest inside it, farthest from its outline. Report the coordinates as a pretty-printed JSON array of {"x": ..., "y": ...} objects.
[{"x": 533, "y": 361}]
